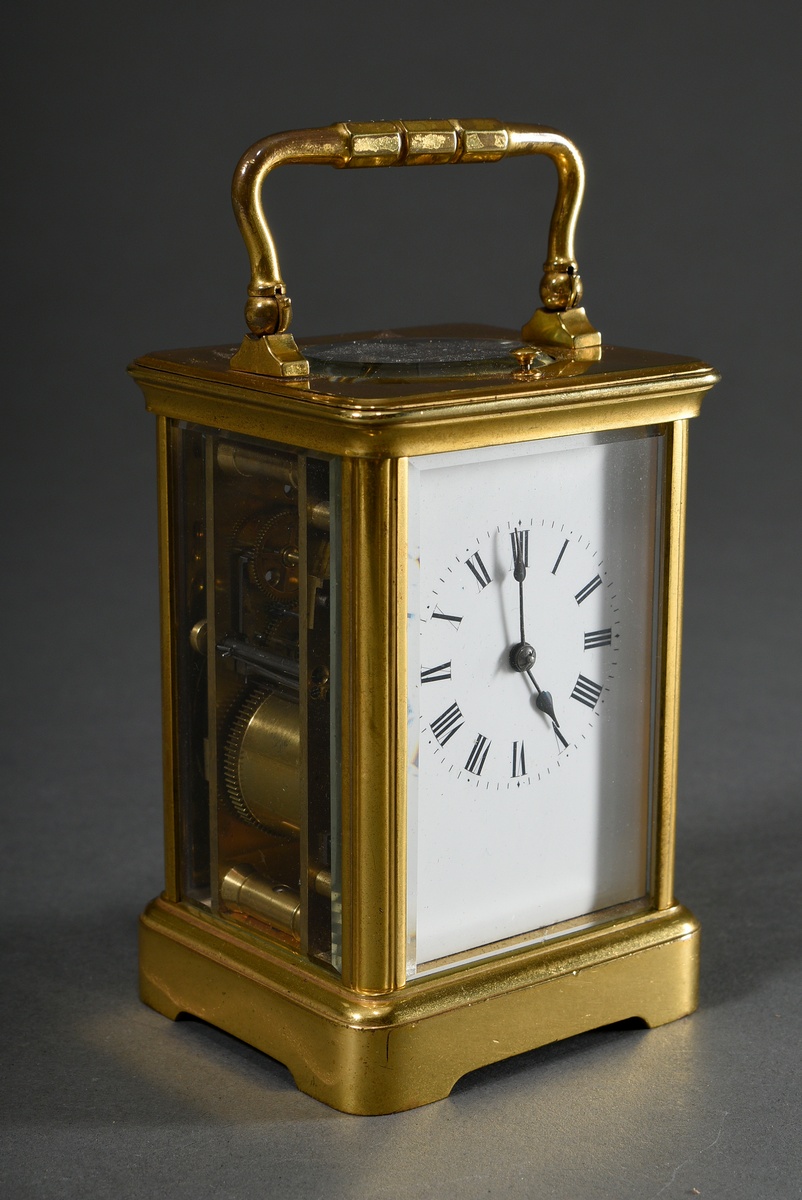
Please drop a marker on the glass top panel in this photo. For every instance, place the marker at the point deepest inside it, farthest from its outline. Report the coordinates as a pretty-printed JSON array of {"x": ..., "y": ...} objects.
[{"x": 400, "y": 358}]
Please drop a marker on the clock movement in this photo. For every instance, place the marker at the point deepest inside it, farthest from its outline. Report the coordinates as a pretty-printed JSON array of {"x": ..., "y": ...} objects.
[{"x": 421, "y": 599}]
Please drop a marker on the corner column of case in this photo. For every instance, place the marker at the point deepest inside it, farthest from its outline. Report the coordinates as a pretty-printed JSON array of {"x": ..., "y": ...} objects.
[
  {"x": 374, "y": 723},
  {"x": 671, "y": 641},
  {"x": 168, "y": 665}
]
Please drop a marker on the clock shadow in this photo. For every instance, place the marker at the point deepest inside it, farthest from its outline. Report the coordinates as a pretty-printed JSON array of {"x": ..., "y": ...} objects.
[
  {"x": 82, "y": 1048},
  {"x": 739, "y": 870},
  {"x": 559, "y": 1054}
]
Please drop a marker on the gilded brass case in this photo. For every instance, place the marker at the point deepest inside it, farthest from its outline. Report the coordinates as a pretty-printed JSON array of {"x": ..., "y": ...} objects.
[
  {"x": 363, "y": 1038},
  {"x": 371, "y": 1042}
]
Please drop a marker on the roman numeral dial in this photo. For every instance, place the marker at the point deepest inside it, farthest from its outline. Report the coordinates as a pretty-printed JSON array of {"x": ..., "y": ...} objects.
[{"x": 517, "y": 645}]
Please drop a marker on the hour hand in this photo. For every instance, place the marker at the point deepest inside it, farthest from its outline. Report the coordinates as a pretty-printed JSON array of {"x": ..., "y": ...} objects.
[{"x": 544, "y": 702}]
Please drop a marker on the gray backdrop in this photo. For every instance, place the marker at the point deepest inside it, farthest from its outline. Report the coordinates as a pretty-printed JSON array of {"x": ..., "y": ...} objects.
[{"x": 124, "y": 125}]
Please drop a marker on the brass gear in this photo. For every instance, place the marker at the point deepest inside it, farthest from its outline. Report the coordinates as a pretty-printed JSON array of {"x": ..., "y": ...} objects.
[
  {"x": 261, "y": 763},
  {"x": 274, "y": 559}
]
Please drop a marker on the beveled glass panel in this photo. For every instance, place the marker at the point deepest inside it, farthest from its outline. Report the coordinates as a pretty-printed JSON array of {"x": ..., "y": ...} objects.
[{"x": 256, "y": 687}]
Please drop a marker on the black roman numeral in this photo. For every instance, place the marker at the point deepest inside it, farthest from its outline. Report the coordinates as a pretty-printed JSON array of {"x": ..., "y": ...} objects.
[
  {"x": 519, "y": 539},
  {"x": 586, "y": 691},
  {"x": 435, "y": 674},
  {"x": 588, "y": 589},
  {"x": 477, "y": 756},
  {"x": 560, "y": 557},
  {"x": 598, "y": 637},
  {"x": 439, "y": 615},
  {"x": 479, "y": 569},
  {"x": 518, "y": 759},
  {"x": 447, "y": 724}
]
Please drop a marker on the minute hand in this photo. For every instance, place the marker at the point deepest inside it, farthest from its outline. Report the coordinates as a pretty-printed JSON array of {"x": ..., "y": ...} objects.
[
  {"x": 522, "y": 656},
  {"x": 519, "y": 574}
]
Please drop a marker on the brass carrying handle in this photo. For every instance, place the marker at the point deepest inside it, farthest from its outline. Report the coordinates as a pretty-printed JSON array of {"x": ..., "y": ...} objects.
[{"x": 408, "y": 143}]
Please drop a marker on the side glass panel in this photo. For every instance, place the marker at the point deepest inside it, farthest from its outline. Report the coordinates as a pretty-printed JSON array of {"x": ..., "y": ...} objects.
[
  {"x": 257, "y": 619},
  {"x": 532, "y": 643},
  {"x": 188, "y": 586}
]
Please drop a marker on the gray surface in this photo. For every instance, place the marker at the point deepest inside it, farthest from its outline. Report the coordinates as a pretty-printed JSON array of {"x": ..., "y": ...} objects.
[{"x": 126, "y": 125}]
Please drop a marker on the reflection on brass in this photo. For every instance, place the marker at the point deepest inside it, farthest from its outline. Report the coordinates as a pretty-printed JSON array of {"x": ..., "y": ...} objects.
[
  {"x": 244, "y": 888},
  {"x": 362, "y": 1053},
  {"x": 235, "y": 459},
  {"x": 570, "y": 329},
  {"x": 318, "y": 515},
  {"x": 528, "y": 356},
  {"x": 262, "y": 763},
  {"x": 626, "y": 389},
  {"x": 255, "y": 660},
  {"x": 269, "y": 349},
  {"x": 273, "y": 354},
  {"x": 197, "y": 636},
  {"x": 319, "y": 683},
  {"x": 320, "y": 882},
  {"x": 242, "y": 460}
]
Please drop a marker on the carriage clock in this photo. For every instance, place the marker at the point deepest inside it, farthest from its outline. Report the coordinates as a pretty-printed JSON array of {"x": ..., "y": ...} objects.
[{"x": 421, "y": 596}]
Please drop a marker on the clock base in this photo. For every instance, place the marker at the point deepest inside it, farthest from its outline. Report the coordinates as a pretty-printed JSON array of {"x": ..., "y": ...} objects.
[{"x": 386, "y": 1053}]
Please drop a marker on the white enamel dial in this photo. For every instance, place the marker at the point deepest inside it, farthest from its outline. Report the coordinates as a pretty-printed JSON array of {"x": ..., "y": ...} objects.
[
  {"x": 531, "y": 649},
  {"x": 502, "y": 705}
]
